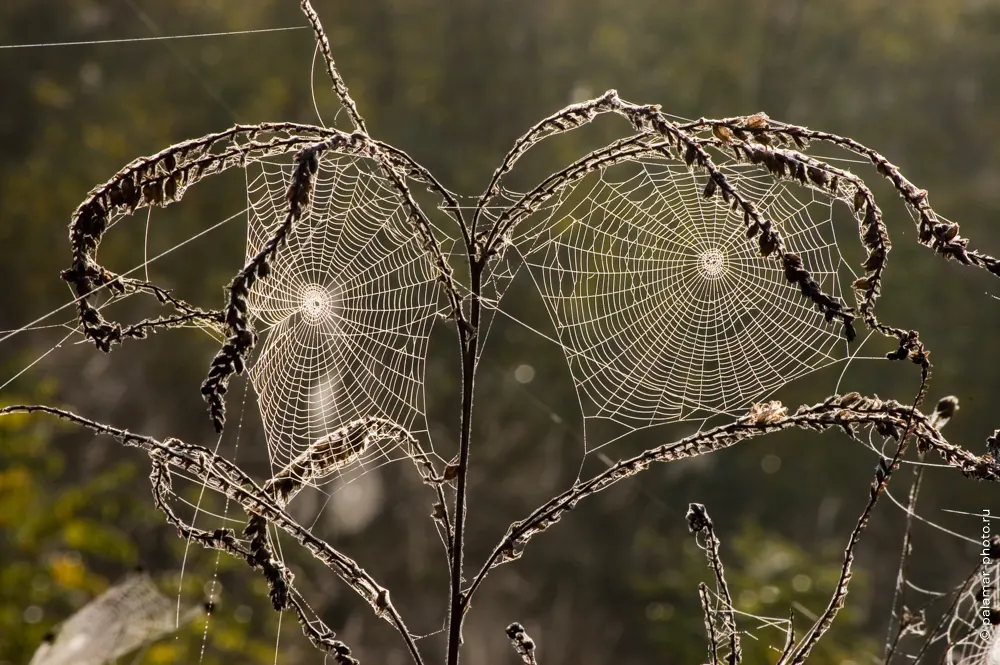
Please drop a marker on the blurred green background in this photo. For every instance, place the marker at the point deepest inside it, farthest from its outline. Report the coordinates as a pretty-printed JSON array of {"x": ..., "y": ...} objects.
[{"x": 454, "y": 82}]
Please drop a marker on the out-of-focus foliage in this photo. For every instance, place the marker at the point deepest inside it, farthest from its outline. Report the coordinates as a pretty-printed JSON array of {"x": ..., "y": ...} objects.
[
  {"x": 454, "y": 83},
  {"x": 767, "y": 574}
]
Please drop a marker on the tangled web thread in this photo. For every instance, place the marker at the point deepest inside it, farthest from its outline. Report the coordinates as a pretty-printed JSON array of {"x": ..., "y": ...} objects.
[
  {"x": 347, "y": 311},
  {"x": 663, "y": 307}
]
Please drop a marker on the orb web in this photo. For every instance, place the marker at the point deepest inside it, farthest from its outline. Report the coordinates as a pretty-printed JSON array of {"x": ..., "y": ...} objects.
[
  {"x": 664, "y": 309},
  {"x": 346, "y": 312},
  {"x": 123, "y": 618}
]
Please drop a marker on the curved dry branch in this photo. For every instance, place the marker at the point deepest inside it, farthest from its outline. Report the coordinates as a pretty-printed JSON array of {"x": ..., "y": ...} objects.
[
  {"x": 816, "y": 174},
  {"x": 661, "y": 137},
  {"x": 705, "y": 598},
  {"x": 623, "y": 150},
  {"x": 940, "y": 235},
  {"x": 162, "y": 179},
  {"x": 838, "y": 411},
  {"x": 340, "y": 87},
  {"x": 219, "y": 474},
  {"x": 571, "y": 117},
  {"x": 315, "y": 630},
  {"x": 159, "y": 180},
  {"x": 414, "y": 171},
  {"x": 424, "y": 234}
]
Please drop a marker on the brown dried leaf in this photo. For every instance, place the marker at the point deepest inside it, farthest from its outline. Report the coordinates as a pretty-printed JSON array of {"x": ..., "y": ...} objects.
[{"x": 723, "y": 133}]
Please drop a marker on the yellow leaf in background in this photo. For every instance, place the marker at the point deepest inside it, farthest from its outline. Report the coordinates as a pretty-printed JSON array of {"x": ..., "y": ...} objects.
[
  {"x": 15, "y": 478},
  {"x": 165, "y": 652},
  {"x": 67, "y": 571},
  {"x": 75, "y": 534},
  {"x": 49, "y": 93}
]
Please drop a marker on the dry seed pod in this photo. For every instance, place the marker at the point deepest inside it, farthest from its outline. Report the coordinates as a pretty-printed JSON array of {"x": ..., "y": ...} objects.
[
  {"x": 722, "y": 133},
  {"x": 850, "y": 399}
]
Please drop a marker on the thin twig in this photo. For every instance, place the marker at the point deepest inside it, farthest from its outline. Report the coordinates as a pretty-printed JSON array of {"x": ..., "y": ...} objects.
[
  {"x": 699, "y": 522},
  {"x": 883, "y": 473},
  {"x": 943, "y": 412},
  {"x": 340, "y": 87},
  {"x": 705, "y": 597},
  {"x": 331, "y": 69}
]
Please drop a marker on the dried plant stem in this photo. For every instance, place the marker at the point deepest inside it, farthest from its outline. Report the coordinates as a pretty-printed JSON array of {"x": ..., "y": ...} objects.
[
  {"x": 414, "y": 171},
  {"x": 441, "y": 513},
  {"x": 942, "y": 236},
  {"x": 789, "y": 638},
  {"x": 211, "y": 317},
  {"x": 571, "y": 117},
  {"x": 700, "y": 522},
  {"x": 451, "y": 203},
  {"x": 334, "y": 451},
  {"x": 469, "y": 347},
  {"x": 331, "y": 70},
  {"x": 241, "y": 338},
  {"x": 838, "y": 411},
  {"x": 321, "y": 636},
  {"x": 424, "y": 235},
  {"x": 883, "y": 473},
  {"x": 943, "y": 412},
  {"x": 705, "y": 598},
  {"x": 219, "y": 474},
  {"x": 158, "y": 180},
  {"x": 650, "y": 122},
  {"x": 892, "y": 640},
  {"x": 808, "y": 171}
]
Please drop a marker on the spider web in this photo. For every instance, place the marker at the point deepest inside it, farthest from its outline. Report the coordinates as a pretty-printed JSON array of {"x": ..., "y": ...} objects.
[
  {"x": 346, "y": 312},
  {"x": 663, "y": 307},
  {"x": 973, "y": 631},
  {"x": 123, "y": 618}
]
